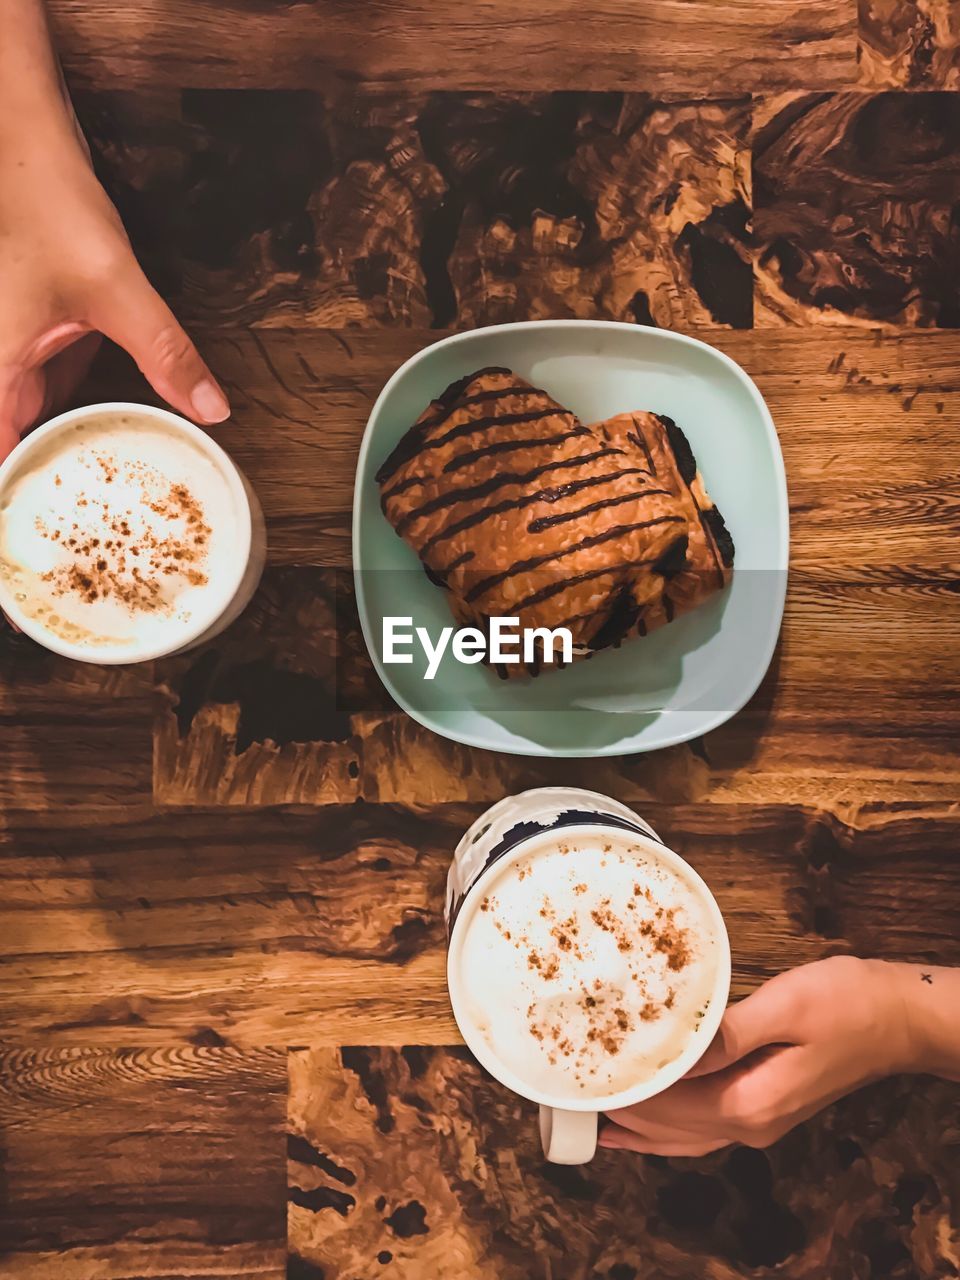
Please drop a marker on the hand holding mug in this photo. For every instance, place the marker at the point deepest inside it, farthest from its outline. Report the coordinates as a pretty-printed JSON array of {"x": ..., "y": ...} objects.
[{"x": 804, "y": 1039}]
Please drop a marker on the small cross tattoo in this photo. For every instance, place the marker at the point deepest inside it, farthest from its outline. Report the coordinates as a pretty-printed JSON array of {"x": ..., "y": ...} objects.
[{"x": 926, "y": 977}]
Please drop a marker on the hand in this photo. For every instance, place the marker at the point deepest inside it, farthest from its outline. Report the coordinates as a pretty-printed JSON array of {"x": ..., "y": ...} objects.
[
  {"x": 804, "y": 1039},
  {"x": 69, "y": 275}
]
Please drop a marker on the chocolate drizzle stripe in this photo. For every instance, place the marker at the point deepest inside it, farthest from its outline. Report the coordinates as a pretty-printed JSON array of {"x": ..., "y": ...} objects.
[
  {"x": 454, "y": 392},
  {"x": 410, "y": 482},
  {"x": 711, "y": 542},
  {"x": 435, "y": 576},
  {"x": 640, "y": 440},
  {"x": 554, "y": 588},
  {"x": 547, "y": 522},
  {"x": 467, "y": 555},
  {"x": 485, "y": 489},
  {"x": 466, "y": 402},
  {"x": 534, "y": 562},
  {"x": 413, "y": 444},
  {"x": 508, "y": 446},
  {"x": 551, "y": 494}
]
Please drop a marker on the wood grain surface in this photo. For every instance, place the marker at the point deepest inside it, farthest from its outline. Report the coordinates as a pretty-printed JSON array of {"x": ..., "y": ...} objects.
[
  {"x": 60, "y": 728},
  {"x": 297, "y": 927},
  {"x": 303, "y": 208},
  {"x": 440, "y": 44},
  {"x": 432, "y": 1169},
  {"x": 854, "y": 209},
  {"x": 482, "y": 208},
  {"x": 150, "y": 1163},
  {"x": 909, "y": 44},
  {"x": 231, "y": 862}
]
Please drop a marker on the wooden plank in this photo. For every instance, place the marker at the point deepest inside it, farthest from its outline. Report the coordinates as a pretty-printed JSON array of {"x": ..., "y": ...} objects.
[
  {"x": 266, "y": 927},
  {"x": 295, "y": 208},
  {"x": 441, "y": 45},
  {"x": 869, "y": 417},
  {"x": 165, "y": 1163},
  {"x": 163, "y": 1259},
  {"x": 282, "y": 208},
  {"x": 413, "y": 1162},
  {"x": 72, "y": 736}
]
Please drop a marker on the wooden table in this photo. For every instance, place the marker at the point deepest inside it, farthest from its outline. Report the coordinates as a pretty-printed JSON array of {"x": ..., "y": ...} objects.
[{"x": 219, "y": 871}]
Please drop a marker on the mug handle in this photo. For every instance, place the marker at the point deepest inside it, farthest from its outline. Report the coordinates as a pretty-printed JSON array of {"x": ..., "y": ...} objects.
[{"x": 568, "y": 1137}]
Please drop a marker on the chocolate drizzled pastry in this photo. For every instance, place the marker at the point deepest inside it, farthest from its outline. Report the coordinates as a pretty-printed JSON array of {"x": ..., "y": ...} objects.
[{"x": 519, "y": 510}]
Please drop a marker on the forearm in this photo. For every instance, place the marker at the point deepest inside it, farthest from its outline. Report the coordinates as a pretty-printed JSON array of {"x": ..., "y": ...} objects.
[
  {"x": 35, "y": 113},
  {"x": 931, "y": 1003}
]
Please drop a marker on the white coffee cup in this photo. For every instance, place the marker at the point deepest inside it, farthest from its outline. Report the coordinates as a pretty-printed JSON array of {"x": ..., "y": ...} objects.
[
  {"x": 226, "y": 598},
  {"x": 511, "y": 830}
]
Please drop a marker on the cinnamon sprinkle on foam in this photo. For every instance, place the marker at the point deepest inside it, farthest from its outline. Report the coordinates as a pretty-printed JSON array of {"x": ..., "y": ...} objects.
[{"x": 102, "y": 567}]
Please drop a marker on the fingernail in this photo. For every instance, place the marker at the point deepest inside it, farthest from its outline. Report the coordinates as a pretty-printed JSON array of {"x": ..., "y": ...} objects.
[{"x": 209, "y": 402}]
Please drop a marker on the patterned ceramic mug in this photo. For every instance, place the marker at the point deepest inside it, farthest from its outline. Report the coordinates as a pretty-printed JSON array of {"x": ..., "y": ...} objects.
[{"x": 510, "y": 835}]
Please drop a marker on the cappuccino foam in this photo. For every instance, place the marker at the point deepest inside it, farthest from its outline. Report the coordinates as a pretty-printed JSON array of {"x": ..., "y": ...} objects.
[
  {"x": 116, "y": 532},
  {"x": 587, "y": 966}
]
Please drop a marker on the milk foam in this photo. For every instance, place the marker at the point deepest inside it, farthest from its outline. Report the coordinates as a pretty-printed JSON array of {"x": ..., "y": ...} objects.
[
  {"x": 117, "y": 532},
  {"x": 588, "y": 966}
]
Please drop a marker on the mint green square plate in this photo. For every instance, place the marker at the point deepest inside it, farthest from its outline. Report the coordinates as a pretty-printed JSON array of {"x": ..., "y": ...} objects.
[{"x": 675, "y": 684}]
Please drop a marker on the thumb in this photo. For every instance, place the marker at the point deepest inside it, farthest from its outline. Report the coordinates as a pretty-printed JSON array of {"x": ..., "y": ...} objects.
[
  {"x": 22, "y": 399},
  {"x": 766, "y": 1017},
  {"x": 135, "y": 317},
  {"x": 8, "y": 437},
  {"x": 40, "y": 378}
]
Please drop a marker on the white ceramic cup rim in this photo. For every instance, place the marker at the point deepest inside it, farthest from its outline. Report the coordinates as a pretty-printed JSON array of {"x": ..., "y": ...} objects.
[
  {"x": 219, "y": 600},
  {"x": 673, "y": 1071}
]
